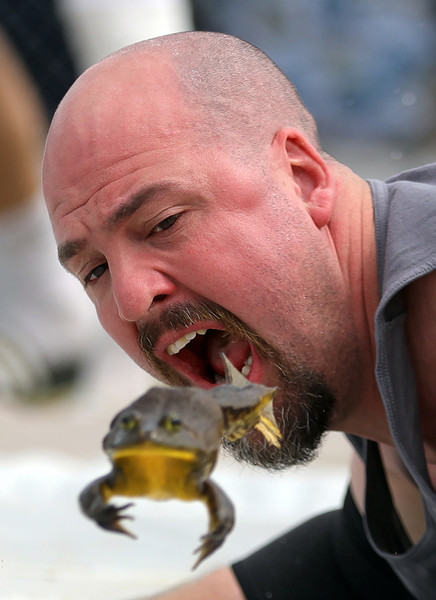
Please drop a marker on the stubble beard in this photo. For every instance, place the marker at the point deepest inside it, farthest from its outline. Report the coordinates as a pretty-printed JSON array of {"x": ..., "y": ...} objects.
[{"x": 303, "y": 406}]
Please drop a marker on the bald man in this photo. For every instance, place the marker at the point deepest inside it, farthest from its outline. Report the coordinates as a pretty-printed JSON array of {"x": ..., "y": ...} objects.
[{"x": 188, "y": 191}]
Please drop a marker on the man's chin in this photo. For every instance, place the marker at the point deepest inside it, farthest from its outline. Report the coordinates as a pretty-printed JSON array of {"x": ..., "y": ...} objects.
[
  {"x": 303, "y": 420},
  {"x": 259, "y": 453}
]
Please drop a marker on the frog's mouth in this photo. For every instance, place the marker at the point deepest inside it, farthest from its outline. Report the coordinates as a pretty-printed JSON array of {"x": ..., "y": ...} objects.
[
  {"x": 197, "y": 355},
  {"x": 138, "y": 451}
]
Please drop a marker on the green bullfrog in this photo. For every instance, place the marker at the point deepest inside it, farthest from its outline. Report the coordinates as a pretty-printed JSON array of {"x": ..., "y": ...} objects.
[{"x": 165, "y": 445}]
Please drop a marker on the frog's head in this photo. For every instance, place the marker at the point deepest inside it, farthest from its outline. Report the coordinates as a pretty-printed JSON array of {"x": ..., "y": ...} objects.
[{"x": 177, "y": 418}]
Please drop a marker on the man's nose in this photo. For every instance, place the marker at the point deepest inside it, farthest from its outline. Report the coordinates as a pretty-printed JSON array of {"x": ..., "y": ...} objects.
[{"x": 136, "y": 294}]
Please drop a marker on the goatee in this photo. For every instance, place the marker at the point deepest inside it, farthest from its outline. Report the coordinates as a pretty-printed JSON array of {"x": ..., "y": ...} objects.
[{"x": 304, "y": 405}]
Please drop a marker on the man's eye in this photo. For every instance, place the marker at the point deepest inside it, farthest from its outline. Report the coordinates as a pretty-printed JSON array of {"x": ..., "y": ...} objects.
[
  {"x": 166, "y": 223},
  {"x": 96, "y": 273}
]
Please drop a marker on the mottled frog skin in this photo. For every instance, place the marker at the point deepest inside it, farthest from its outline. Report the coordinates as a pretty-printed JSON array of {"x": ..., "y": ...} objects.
[{"x": 165, "y": 445}]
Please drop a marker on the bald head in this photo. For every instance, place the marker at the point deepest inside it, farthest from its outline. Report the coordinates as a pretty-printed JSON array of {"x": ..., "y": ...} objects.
[
  {"x": 232, "y": 78},
  {"x": 212, "y": 87},
  {"x": 232, "y": 86}
]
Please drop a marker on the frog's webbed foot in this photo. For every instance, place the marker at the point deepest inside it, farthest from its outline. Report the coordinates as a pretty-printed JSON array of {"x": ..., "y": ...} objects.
[
  {"x": 266, "y": 423},
  {"x": 108, "y": 516},
  {"x": 268, "y": 427},
  {"x": 221, "y": 520}
]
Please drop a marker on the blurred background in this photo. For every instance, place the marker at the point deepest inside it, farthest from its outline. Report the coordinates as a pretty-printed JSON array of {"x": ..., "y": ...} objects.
[{"x": 366, "y": 70}]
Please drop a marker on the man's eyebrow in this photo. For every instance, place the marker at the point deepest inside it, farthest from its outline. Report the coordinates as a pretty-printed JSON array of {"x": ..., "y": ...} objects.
[
  {"x": 68, "y": 250},
  {"x": 136, "y": 200}
]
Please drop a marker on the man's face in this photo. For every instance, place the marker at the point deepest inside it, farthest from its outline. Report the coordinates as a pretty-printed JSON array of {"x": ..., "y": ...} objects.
[{"x": 187, "y": 252}]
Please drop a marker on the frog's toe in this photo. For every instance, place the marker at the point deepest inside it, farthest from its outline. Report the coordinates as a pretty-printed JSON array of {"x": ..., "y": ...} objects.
[
  {"x": 110, "y": 518},
  {"x": 210, "y": 542},
  {"x": 270, "y": 432}
]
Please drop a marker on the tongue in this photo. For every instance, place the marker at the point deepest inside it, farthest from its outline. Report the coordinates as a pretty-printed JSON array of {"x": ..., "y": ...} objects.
[{"x": 236, "y": 350}]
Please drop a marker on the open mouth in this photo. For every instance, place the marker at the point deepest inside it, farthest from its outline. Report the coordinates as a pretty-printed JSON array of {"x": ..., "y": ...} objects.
[{"x": 197, "y": 354}]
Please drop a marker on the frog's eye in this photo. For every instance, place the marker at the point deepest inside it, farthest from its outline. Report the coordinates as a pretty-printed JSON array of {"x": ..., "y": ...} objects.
[
  {"x": 129, "y": 422},
  {"x": 171, "y": 423}
]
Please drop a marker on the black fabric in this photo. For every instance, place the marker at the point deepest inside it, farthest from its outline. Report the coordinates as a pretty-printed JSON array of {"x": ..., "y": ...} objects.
[
  {"x": 36, "y": 31},
  {"x": 384, "y": 524},
  {"x": 326, "y": 558}
]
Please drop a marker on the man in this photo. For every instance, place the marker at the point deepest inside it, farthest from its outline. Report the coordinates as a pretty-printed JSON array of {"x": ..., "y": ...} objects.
[{"x": 188, "y": 192}]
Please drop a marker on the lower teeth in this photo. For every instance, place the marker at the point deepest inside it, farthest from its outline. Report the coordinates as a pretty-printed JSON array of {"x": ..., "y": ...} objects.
[{"x": 247, "y": 366}]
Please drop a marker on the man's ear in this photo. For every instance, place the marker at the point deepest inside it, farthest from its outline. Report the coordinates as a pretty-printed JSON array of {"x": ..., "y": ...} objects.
[{"x": 309, "y": 172}]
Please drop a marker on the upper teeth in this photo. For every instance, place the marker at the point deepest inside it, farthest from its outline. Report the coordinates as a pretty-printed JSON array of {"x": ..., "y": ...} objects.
[
  {"x": 183, "y": 341},
  {"x": 176, "y": 346}
]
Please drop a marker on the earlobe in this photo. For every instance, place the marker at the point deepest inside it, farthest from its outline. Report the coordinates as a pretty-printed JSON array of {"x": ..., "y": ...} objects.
[
  {"x": 320, "y": 207},
  {"x": 310, "y": 173}
]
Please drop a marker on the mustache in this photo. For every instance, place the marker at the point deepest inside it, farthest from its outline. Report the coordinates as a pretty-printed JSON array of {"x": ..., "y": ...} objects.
[{"x": 181, "y": 316}]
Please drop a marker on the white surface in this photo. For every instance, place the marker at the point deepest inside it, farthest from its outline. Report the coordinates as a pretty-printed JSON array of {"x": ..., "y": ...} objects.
[
  {"x": 48, "y": 550},
  {"x": 99, "y": 27}
]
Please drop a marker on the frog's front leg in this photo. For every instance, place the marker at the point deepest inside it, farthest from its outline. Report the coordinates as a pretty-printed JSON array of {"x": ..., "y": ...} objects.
[
  {"x": 93, "y": 502},
  {"x": 221, "y": 519}
]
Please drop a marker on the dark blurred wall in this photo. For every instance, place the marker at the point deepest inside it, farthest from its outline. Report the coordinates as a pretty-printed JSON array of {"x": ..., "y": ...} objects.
[{"x": 365, "y": 68}]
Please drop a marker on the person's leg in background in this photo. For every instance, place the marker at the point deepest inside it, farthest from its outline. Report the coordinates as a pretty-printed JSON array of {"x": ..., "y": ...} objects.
[{"x": 42, "y": 328}]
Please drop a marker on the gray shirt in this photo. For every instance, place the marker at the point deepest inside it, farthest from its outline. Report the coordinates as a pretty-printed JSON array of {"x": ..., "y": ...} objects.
[{"x": 405, "y": 218}]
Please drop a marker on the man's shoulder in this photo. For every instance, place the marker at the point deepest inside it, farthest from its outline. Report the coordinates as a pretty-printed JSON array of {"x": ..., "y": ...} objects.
[{"x": 424, "y": 174}]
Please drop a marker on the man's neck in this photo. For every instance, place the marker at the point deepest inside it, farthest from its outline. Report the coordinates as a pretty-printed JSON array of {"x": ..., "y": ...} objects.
[{"x": 353, "y": 232}]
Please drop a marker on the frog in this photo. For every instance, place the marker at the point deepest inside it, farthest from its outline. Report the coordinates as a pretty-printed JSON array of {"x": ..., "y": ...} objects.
[{"x": 165, "y": 446}]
